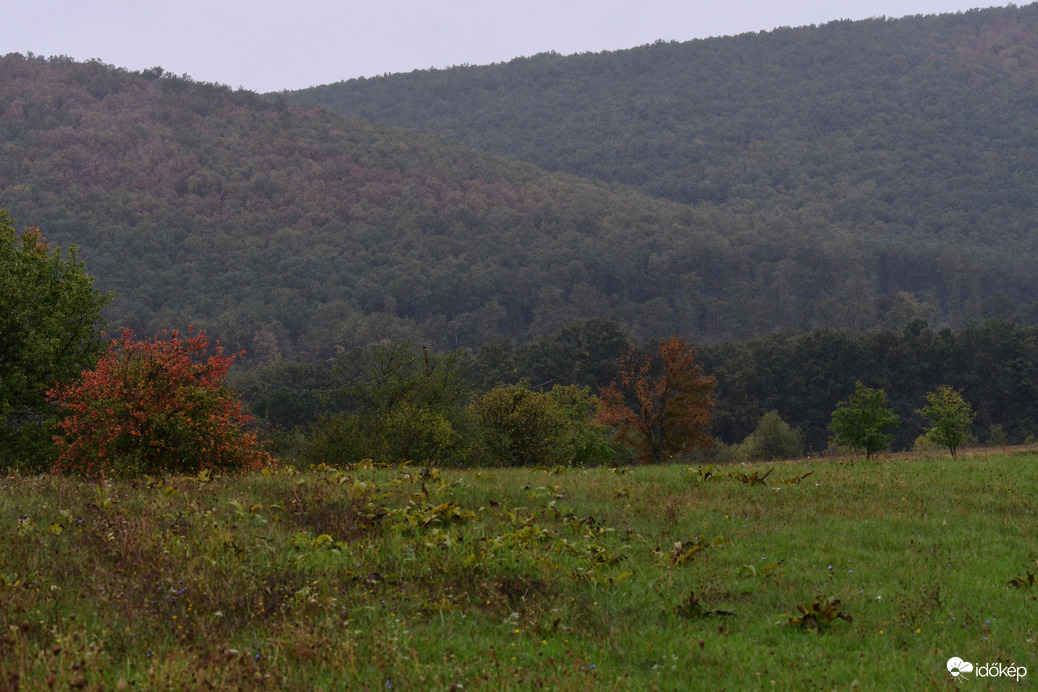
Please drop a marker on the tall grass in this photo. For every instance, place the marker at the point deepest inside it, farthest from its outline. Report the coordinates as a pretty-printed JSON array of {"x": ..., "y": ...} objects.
[{"x": 403, "y": 578}]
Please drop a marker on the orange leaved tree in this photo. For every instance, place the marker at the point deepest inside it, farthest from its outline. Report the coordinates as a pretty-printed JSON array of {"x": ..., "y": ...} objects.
[
  {"x": 153, "y": 406},
  {"x": 661, "y": 405}
]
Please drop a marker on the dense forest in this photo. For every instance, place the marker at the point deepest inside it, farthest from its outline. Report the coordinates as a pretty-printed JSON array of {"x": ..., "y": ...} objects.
[
  {"x": 294, "y": 232},
  {"x": 924, "y": 123},
  {"x": 801, "y": 376},
  {"x": 811, "y": 207},
  {"x": 917, "y": 131},
  {"x": 852, "y": 176}
]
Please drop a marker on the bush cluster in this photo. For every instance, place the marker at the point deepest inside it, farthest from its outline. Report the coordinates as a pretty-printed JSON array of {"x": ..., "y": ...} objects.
[
  {"x": 399, "y": 410},
  {"x": 153, "y": 406}
]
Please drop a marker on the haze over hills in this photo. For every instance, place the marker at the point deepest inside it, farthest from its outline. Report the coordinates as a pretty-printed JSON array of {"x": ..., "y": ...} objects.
[{"x": 851, "y": 175}]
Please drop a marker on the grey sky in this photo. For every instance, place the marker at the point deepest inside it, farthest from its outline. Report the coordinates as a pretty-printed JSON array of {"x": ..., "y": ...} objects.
[{"x": 268, "y": 46}]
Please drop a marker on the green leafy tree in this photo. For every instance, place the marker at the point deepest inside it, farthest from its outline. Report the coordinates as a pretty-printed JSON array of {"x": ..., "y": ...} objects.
[
  {"x": 860, "y": 421},
  {"x": 950, "y": 417},
  {"x": 588, "y": 442},
  {"x": 50, "y": 331},
  {"x": 396, "y": 404},
  {"x": 773, "y": 439}
]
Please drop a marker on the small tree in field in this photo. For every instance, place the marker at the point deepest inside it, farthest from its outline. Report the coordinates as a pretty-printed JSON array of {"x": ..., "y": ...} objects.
[
  {"x": 950, "y": 417},
  {"x": 860, "y": 422},
  {"x": 660, "y": 406},
  {"x": 154, "y": 406},
  {"x": 773, "y": 439}
]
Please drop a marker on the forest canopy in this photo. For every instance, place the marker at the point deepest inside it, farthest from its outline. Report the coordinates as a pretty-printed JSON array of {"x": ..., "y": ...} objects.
[{"x": 854, "y": 175}]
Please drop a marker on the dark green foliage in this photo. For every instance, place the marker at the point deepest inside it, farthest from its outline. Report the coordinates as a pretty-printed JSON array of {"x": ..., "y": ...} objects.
[
  {"x": 753, "y": 117},
  {"x": 335, "y": 440},
  {"x": 50, "y": 331},
  {"x": 585, "y": 353},
  {"x": 801, "y": 378},
  {"x": 397, "y": 403},
  {"x": 587, "y": 442},
  {"x": 809, "y": 191},
  {"x": 804, "y": 377},
  {"x": 287, "y": 394},
  {"x": 773, "y": 439},
  {"x": 520, "y": 427},
  {"x": 861, "y": 421},
  {"x": 820, "y": 140},
  {"x": 997, "y": 435}
]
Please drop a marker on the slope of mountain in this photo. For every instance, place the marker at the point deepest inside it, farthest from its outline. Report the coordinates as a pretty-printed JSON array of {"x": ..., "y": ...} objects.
[
  {"x": 298, "y": 231},
  {"x": 894, "y": 118},
  {"x": 921, "y": 131},
  {"x": 295, "y": 231}
]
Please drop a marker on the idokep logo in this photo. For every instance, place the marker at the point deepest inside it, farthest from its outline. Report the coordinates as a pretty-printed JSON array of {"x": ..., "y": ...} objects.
[{"x": 958, "y": 668}]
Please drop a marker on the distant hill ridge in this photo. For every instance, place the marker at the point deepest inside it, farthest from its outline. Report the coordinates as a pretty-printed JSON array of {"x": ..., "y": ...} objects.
[{"x": 751, "y": 117}]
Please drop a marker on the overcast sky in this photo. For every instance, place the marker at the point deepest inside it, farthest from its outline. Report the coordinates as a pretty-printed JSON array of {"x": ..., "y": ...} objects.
[{"x": 269, "y": 46}]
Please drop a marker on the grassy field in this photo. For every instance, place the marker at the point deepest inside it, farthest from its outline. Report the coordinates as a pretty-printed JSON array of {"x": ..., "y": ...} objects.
[{"x": 664, "y": 578}]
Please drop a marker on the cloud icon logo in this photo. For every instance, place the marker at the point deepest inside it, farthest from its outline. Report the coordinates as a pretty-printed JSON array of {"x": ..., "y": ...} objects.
[{"x": 956, "y": 666}]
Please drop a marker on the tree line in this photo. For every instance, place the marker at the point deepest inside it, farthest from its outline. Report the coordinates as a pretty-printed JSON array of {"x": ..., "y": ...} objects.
[
  {"x": 793, "y": 380},
  {"x": 583, "y": 396}
]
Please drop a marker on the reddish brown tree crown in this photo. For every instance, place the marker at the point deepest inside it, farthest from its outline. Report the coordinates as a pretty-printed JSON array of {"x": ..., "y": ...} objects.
[{"x": 660, "y": 406}]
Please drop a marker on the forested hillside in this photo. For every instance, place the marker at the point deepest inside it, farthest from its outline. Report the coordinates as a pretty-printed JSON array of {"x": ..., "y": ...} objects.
[
  {"x": 855, "y": 175},
  {"x": 892, "y": 121},
  {"x": 293, "y": 232},
  {"x": 918, "y": 131}
]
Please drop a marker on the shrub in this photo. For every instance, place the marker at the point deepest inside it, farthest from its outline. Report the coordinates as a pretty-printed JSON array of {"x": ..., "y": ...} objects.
[
  {"x": 400, "y": 405},
  {"x": 335, "y": 440},
  {"x": 997, "y": 435},
  {"x": 419, "y": 433},
  {"x": 154, "y": 406},
  {"x": 773, "y": 439},
  {"x": 588, "y": 442},
  {"x": 520, "y": 427},
  {"x": 923, "y": 443}
]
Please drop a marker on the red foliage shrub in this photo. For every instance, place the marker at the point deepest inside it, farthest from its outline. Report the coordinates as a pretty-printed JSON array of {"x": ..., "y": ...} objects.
[{"x": 154, "y": 406}]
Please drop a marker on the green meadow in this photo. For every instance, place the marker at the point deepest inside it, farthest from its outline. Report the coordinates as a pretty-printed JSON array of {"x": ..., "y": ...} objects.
[{"x": 821, "y": 574}]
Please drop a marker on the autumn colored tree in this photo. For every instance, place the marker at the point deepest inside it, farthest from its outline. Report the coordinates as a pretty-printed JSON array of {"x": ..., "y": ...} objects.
[
  {"x": 661, "y": 406},
  {"x": 154, "y": 405}
]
